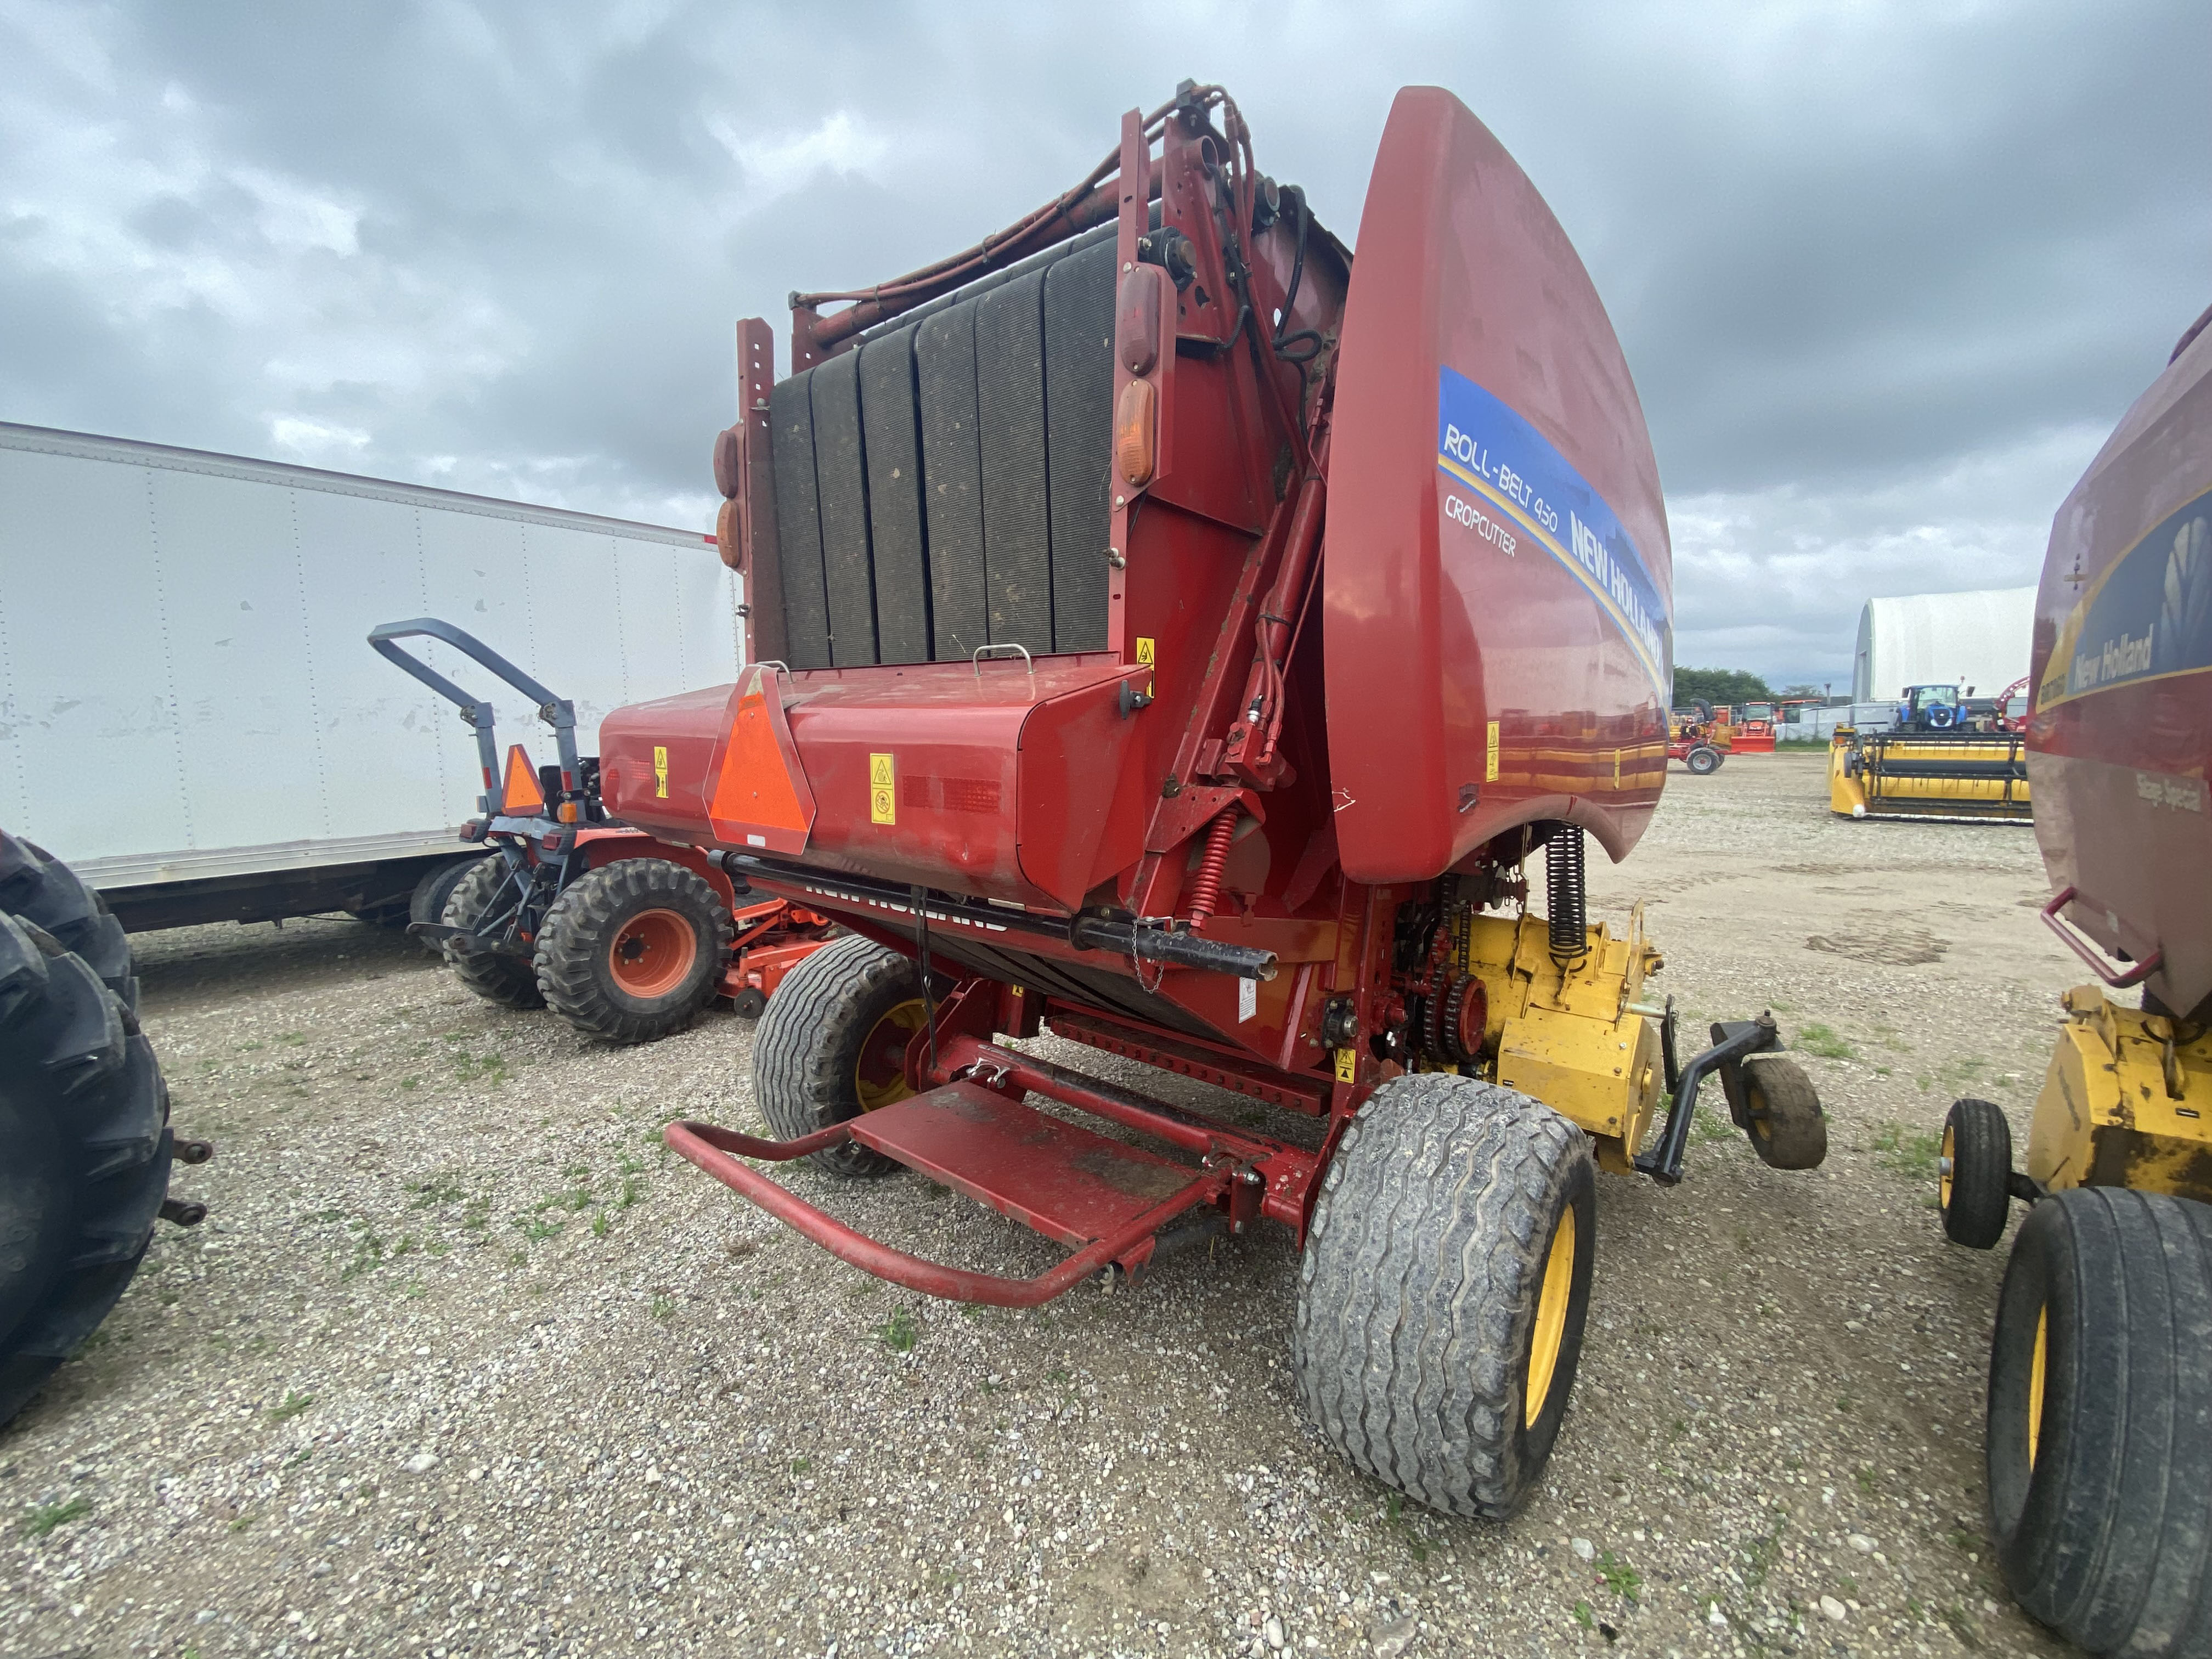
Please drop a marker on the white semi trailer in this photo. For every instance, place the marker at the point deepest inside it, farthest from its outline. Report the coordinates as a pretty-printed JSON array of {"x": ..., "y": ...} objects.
[{"x": 189, "y": 715}]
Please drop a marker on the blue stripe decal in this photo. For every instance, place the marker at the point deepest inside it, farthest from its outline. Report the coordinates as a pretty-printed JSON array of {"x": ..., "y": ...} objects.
[{"x": 1483, "y": 444}]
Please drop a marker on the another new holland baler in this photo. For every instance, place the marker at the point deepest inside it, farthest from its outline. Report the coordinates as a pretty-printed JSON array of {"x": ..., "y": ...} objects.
[{"x": 1168, "y": 632}]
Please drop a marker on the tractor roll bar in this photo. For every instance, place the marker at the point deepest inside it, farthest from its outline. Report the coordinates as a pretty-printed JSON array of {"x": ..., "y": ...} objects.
[{"x": 558, "y": 713}]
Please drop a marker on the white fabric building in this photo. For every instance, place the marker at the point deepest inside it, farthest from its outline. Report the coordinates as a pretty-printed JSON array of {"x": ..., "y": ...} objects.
[{"x": 1979, "y": 640}]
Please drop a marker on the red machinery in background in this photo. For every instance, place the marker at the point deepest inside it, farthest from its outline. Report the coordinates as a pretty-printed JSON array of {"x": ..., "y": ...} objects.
[
  {"x": 624, "y": 936},
  {"x": 1171, "y": 634}
]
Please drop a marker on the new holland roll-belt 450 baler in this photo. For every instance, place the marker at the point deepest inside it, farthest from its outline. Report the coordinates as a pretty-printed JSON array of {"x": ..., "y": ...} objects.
[
  {"x": 2100, "y": 1424},
  {"x": 1168, "y": 633}
]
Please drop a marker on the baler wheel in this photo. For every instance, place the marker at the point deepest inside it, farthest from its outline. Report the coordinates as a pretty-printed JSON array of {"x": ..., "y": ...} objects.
[
  {"x": 1782, "y": 1114},
  {"x": 1705, "y": 760},
  {"x": 2100, "y": 1469},
  {"x": 84, "y": 1119},
  {"x": 508, "y": 981},
  {"x": 1444, "y": 1288},
  {"x": 634, "y": 950},
  {"x": 1972, "y": 1186},
  {"x": 42, "y": 890},
  {"x": 829, "y": 1047}
]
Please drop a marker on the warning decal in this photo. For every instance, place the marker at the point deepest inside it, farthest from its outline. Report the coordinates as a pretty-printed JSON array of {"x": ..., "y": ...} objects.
[{"x": 883, "y": 791}]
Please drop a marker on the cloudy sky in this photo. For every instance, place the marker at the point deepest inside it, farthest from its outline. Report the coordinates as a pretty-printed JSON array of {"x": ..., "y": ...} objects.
[{"x": 1886, "y": 273}]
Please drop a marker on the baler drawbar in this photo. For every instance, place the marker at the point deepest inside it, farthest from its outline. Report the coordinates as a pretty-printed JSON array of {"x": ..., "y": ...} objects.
[{"x": 1163, "y": 633}]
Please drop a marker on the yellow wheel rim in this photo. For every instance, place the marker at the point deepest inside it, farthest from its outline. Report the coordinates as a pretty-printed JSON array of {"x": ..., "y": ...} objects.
[
  {"x": 2035, "y": 1368},
  {"x": 1550, "y": 1316},
  {"x": 1949, "y": 1155},
  {"x": 879, "y": 1074}
]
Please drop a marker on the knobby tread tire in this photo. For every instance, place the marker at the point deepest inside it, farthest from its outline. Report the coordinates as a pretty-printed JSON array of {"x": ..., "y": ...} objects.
[
  {"x": 428, "y": 902},
  {"x": 572, "y": 960},
  {"x": 511, "y": 981},
  {"x": 808, "y": 1041},
  {"x": 2107, "y": 1536},
  {"x": 1981, "y": 1168},
  {"x": 1418, "y": 1289},
  {"x": 84, "y": 1125},
  {"x": 46, "y": 893}
]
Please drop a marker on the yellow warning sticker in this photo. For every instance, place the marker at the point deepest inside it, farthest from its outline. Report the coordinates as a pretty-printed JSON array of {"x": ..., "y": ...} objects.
[
  {"x": 883, "y": 791},
  {"x": 1348, "y": 1065},
  {"x": 1144, "y": 651},
  {"x": 660, "y": 772},
  {"x": 1489, "y": 764}
]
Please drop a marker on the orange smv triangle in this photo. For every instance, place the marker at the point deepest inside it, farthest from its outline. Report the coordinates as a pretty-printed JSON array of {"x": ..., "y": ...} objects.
[
  {"x": 756, "y": 790},
  {"x": 520, "y": 795}
]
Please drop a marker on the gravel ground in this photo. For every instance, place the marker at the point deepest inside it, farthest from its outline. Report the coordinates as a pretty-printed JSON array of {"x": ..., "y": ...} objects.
[{"x": 463, "y": 1362}]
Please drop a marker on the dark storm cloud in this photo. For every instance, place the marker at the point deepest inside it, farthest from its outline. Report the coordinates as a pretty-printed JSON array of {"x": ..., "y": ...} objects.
[{"x": 1885, "y": 274}]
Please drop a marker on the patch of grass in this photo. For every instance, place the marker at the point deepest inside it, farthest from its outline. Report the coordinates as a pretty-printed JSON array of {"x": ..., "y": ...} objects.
[
  {"x": 1964, "y": 1542},
  {"x": 1818, "y": 1039},
  {"x": 480, "y": 1069},
  {"x": 46, "y": 1517},
  {"x": 1868, "y": 1481},
  {"x": 437, "y": 1190},
  {"x": 367, "y": 1254},
  {"x": 1709, "y": 1128},
  {"x": 243, "y": 1521},
  {"x": 899, "y": 1332},
  {"x": 632, "y": 1190},
  {"x": 538, "y": 1228},
  {"x": 574, "y": 1198},
  {"x": 1620, "y": 1579},
  {"x": 407, "y": 1083},
  {"x": 599, "y": 1224},
  {"x": 1962, "y": 1625},
  {"x": 1908, "y": 1151},
  {"x": 1761, "y": 1553},
  {"x": 664, "y": 1307},
  {"x": 290, "y": 1407},
  {"x": 1584, "y": 1617},
  {"x": 801, "y": 1465}
]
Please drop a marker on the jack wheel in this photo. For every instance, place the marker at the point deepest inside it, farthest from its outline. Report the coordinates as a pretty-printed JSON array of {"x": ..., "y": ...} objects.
[
  {"x": 749, "y": 1003},
  {"x": 1974, "y": 1173},
  {"x": 633, "y": 951},
  {"x": 2100, "y": 1469},
  {"x": 833, "y": 1045},
  {"x": 1443, "y": 1290},
  {"x": 1702, "y": 760},
  {"x": 508, "y": 981},
  {"x": 1782, "y": 1114}
]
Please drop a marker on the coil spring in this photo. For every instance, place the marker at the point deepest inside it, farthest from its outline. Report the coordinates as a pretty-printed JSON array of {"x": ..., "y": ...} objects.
[
  {"x": 1565, "y": 887},
  {"x": 1206, "y": 883}
]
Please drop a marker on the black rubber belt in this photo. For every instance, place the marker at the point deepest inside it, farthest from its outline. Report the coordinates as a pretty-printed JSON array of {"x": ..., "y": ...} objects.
[
  {"x": 952, "y": 466},
  {"x": 1078, "y": 382},
  {"x": 1009, "y": 409},
  {"x": 841, "y": 479},
  {"x": 798, "y": 523},
  {"x": 888, "y": 421}
]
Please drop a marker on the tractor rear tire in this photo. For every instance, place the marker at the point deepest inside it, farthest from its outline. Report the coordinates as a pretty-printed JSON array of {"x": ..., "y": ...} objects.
[
  {"x": 39, "y": 889},
  {"x": 511, "y": 981},
  {"x": 84, "y": 1121},
  {"x": 1782, "y": 1114},
  {"x": 428, "y": 902},
  {"x": 2100, "y": 1465},
  {"x": 1443, "y": 1290},
  {"x": 634, "y": 950},
  {"x": 829, "y": 1045},
  {"x": 1974, "y": 1192},
  {"x": 1703, "y": 760}
]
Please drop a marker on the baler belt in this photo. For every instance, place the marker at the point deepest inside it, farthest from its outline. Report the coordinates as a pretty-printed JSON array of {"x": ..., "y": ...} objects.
[
  {"x": 841, "y": 481},
  {"x": 1010, "y": 411},
  {"x": 1078, "y": 370},
  {"x": 952, "y": 464},
  {"x": 798, "y": 523},
  {"x": 889, "y": 414}
]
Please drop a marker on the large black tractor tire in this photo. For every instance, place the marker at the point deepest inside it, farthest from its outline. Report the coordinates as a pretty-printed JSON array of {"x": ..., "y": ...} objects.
[
  {"x": 511, "y": 981},
  {"x": 39, "y": 889},
  {"x": 1973, "y": 1184},
  {"x": 84, "y": 1151},
  {"x": 634, "y": 950},
  {"x": 2099, "y": 1427},
  {"x": 1782, "y": 1114},
  {"x": 1703, "y": 759},
  {"x": 830, "y": 1044},
  {"x": 1443, "y": 1290},
  {"x": 428, "y": 902}
]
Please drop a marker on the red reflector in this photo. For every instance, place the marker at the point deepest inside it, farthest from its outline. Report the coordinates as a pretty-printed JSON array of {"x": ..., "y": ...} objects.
[{"x": 520, "y": 797}]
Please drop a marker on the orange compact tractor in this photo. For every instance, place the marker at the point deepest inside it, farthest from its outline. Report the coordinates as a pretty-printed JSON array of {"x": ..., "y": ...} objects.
[
  {"x": 624, "y": 936},
  {"x": 1170, "y": 633}
]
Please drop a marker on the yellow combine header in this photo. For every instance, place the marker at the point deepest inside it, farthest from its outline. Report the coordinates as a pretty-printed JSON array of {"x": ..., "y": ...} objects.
[{"x": 1928, "y": 775}]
